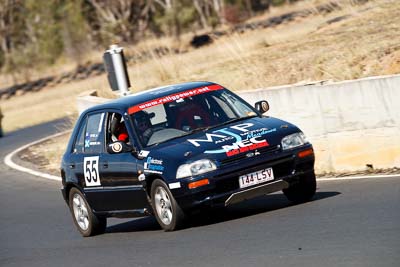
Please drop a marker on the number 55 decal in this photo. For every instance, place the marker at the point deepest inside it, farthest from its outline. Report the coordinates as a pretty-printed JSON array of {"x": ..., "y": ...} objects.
[{"x": 91, "y": 170}]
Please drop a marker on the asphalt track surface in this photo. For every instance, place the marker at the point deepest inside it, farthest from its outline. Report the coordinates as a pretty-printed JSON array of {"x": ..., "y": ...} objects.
[{"x": 349, "y": 223}]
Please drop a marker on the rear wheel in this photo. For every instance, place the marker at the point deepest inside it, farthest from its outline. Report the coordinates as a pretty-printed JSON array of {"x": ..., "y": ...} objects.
[
  {"x": 302, "y": 191},
  {"x": 166, "y": 210},
  {"x": 85, "y": 220}
]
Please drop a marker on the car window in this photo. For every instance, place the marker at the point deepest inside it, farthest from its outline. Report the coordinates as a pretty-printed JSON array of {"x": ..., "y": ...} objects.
[
  {"x": 227, "y": 110},
  {"x": 240, "y": 108},
  {"x": 116, "y": 128},
  {"x": 94, "y": 134},
  {"x": 79, "y": 146}
]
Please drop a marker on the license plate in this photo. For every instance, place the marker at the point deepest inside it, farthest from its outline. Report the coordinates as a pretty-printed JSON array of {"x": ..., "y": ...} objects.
[{"x": 257, "y": 177}]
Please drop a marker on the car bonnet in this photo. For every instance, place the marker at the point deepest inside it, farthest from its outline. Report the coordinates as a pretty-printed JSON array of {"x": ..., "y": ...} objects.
[{"x": 219, "y": 143}]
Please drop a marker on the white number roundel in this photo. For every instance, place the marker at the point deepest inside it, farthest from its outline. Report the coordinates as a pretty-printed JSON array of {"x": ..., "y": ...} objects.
[{"x": 91, "y": 171}]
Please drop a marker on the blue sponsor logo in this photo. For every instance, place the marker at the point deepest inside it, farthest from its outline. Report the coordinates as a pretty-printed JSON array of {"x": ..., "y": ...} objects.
[{"x": 154, "y": 165}]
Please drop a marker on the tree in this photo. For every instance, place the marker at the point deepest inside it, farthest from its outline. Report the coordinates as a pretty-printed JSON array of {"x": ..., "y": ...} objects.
[
  {"x": 44, "y": 29},
  {"x": 37, "y": 33},
  {"x": 11, "y": 35},
  {"x": 75, "y": 30},
  {"x": 210, "y": 9},
  {"x": 120, "y": 20}
]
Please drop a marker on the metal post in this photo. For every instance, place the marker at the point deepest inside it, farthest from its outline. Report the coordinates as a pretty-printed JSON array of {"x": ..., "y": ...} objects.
[{"x": 117, "y": 73}]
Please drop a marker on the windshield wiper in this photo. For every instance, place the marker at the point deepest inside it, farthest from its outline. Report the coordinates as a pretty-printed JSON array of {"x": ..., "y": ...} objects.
[{"x": 204, "y": 128}]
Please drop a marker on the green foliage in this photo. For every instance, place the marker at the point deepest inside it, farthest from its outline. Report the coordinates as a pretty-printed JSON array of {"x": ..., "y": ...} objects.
[
  {"x": 40, "y": 32},
  {"x": 44, "y": 28},
  {"x": 187, "y": 16},
  {"x": 74, "y": 29},
  {"x": 278, "y": 2},
  {"x": 23, "y": 59}
]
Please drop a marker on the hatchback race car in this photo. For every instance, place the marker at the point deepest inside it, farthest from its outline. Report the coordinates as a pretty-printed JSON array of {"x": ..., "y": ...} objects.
[{"x": 172, "y": 150}]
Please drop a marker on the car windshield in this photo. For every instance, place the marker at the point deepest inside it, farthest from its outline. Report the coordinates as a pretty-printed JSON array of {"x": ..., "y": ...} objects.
[{"x": 184, "y": 115}]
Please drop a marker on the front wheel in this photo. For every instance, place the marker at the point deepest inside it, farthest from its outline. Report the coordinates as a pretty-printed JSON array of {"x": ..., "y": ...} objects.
[
  {"x": 302, "y": 191},
  {"x": 166, "y": 210},
  {"x": 85, "y": 220}
]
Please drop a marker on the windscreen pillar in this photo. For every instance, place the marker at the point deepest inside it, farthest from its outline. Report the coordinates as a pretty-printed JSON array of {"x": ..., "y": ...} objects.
[{"x": 116, "y": 68}]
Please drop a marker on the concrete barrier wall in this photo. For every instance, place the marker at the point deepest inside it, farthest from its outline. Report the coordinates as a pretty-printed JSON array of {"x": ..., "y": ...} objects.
[
  {"x": 89, "y": 99},
  {"x": 351, "y": 123}
]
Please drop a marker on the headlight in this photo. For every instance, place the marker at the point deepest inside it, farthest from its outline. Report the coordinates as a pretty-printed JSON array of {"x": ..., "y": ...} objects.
[
  {"x": 195, "y": 168},
  {"x": 293, "y": 140}
]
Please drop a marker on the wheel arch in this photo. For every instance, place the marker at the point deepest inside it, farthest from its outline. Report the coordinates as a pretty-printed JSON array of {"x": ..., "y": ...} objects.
[
  {"x": 149, "y": 181},
  {"x": 68, "y": 187}
]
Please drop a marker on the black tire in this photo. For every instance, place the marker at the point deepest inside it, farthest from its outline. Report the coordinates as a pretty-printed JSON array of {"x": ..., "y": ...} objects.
[
  {"x": 302, "y": 191},
  {"x": 174, "y": 216},
  {"x": 92, "y": 224}
]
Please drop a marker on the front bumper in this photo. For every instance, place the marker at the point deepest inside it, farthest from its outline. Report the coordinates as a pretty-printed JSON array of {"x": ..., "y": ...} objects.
[
  {"x": 259, "y": 190},
  {"x": 224, "y": 189}
]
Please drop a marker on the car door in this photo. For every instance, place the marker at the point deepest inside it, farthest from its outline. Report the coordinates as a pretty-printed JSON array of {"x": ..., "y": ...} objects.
[
  {"x": 120, "y": 189},
  {"x": 86, "y": 151}
]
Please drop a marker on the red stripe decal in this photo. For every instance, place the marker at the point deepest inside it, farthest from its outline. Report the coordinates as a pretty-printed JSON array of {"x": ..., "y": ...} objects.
[{"x": 170, "y": 98}]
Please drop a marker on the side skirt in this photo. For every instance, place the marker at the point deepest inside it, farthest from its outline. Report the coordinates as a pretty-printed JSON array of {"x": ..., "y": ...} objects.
[{"x": 125, "y": 213}]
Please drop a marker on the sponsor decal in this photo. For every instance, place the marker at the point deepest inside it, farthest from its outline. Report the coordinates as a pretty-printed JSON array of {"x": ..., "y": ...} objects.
[
  {"x": 259, "y": 132},
  {"x": 243, "y": 139},
  {"x": 244, "y": 146},
  {"x": 223, "y": 134},
  {"x": 89, "y": 138},
  {"x": 144, "y": 153},
  {"x": 174, "y": 97},
  {"x": 153, "y": 165},
  {"x": 116, "y": 147}
]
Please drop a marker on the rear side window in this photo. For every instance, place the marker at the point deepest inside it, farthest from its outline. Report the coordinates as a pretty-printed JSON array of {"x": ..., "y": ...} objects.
[
  {"x": 91, "y": 135},
  {"x": 79, "y": 146}
]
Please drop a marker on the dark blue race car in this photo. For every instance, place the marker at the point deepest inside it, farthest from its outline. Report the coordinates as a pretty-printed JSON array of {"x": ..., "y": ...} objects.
[{"x": 171, "y": 150}]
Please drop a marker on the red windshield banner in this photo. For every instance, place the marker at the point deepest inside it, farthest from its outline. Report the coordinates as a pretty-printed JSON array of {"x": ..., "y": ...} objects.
[{"x": 173, "y": 97}]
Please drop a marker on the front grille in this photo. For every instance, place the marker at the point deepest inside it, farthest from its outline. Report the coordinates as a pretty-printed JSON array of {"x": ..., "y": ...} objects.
[{"x": 262, "y": 151}]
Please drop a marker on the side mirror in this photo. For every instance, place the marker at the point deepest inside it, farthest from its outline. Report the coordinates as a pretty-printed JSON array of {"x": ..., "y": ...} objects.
[
  {"x": 118, "y": 147},
  {"x": 262, "y": 106}
]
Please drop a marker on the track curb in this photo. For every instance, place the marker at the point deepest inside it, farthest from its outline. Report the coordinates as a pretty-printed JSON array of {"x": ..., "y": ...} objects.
[{"x": 8, "y": 159}]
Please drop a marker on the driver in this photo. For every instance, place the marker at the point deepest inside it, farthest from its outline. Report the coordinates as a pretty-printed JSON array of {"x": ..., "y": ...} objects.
[
  {"x": 122, "y": 132},
  {"x": 143, "y": 126},
  {"x": 118, "y": 129}
]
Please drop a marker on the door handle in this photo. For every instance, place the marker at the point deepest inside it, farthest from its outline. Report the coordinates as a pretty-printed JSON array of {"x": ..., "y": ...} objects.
[
  {"x": 105, "y": 165},
  {"x": 72, "y": 166}
]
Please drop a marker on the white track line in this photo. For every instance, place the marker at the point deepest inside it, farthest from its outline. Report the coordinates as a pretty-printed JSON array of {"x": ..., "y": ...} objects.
[
  {"x": 358, "y": 177},
  {"x": 9, "y": 162}
]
